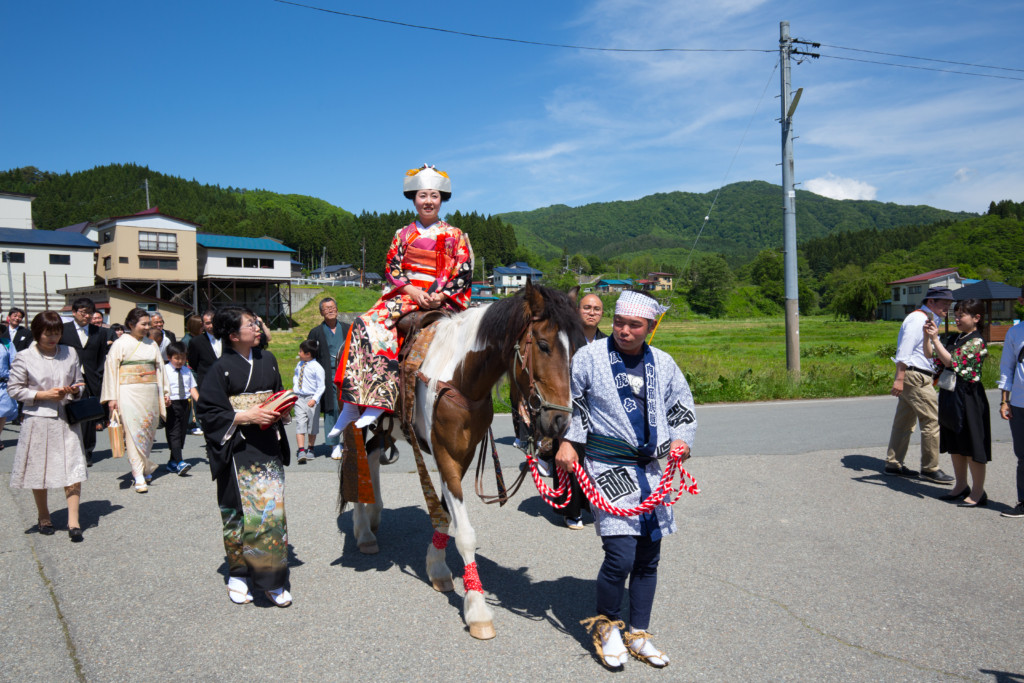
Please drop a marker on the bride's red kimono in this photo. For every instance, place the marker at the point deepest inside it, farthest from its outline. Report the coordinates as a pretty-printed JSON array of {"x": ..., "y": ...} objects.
[{"x": 438, "y": 257}]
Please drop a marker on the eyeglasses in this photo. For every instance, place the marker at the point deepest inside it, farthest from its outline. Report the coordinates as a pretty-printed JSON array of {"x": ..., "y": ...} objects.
[{"x": 254, "y": 325}]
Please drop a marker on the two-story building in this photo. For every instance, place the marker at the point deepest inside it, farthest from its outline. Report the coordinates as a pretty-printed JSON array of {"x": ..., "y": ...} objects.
[
  {"x": 908, "y": 292},
  {"x": 658, "y": 282},
  {"x": 248, "y": 271},
  {"x": 508, "y": 279},
  {"x": 36, "y": 264}
]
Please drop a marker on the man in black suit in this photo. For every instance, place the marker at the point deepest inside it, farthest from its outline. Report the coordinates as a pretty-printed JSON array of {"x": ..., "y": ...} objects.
[
  {"x": 14, "y": 333},
  {"x": 203, "y": 350},
  {"x": 90, "y": 342}
]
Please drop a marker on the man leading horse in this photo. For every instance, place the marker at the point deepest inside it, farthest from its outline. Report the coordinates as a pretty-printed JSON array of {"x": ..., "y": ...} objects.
[{"x": 631, "y": 406}]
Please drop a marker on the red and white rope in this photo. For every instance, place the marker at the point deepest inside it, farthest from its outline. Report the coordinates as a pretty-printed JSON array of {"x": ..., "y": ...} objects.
[{"x": 658, "y": 495}]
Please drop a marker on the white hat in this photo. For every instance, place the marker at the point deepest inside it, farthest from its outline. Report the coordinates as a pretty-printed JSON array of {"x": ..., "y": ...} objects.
[{"x": 427, "y": 178}]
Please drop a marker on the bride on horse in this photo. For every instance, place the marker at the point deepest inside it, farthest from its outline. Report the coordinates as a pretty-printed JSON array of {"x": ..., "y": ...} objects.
[{"x": 430, "y": 266}]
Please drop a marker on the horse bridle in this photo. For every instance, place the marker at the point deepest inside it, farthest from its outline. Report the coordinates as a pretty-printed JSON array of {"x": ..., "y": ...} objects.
[{"x": 532, "y": 399}]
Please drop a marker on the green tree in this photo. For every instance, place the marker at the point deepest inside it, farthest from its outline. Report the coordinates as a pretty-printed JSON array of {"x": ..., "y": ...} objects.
[
  {"x": 710, "y": 283},
  {"x": 858, "y": 298}
]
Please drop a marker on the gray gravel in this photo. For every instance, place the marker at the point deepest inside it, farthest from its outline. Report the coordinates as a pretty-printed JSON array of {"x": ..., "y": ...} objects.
[{"x": 799, "y": 561}]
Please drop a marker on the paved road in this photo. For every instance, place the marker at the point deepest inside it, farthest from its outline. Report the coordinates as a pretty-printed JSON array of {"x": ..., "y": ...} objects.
[{"x": 799, "y": 561}]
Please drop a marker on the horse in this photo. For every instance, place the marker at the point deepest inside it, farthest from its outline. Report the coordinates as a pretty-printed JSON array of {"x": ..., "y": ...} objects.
[{"x": 530, "y": 339}]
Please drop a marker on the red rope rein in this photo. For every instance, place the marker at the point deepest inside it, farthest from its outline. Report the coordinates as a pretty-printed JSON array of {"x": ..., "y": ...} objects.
[{"x": 661, "y": 495}]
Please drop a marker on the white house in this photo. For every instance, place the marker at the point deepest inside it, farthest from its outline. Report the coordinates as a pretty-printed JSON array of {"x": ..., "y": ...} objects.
[
  {"x": 247, "y": 271},
  {"x": 908, "y": 293},
  {"x": 509, "y": 279},
  {"x": 38, "y": 263},
  {"x": 16, "y": 210}
]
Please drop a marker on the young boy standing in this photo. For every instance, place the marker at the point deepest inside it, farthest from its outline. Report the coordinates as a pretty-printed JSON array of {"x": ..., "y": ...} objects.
[
  {"x": 183, "y": 387},
  {"x": 308, "y": 384}
]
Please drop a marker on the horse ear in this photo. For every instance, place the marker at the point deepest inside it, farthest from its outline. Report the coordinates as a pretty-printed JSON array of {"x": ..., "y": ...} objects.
[
  {"x": 574, "y": 294},
  {"x": 534, "y": 300}
]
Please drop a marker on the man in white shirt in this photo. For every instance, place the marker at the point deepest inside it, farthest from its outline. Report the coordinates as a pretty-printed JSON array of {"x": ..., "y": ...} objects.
[
  {"x": 1011, "y": 403},
  {"x": 918, "y": 401}
]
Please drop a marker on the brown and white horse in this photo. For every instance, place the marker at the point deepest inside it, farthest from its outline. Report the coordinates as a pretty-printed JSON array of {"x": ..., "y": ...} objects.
[{"x": 530, "y": 338}]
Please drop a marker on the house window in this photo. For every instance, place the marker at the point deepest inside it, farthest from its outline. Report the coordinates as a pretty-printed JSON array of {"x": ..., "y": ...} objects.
[
  {"x": 266, "y": 263},
  {"x": 14, "y": 257},
  {"x": 108, "y": 236},
  {"x": 106, "y": 263},
  {"x": 914, "y": 290},
  {"x": 158, "y": 241},
  {"x": 251, "y": 262},
  {"x": 60, "y": 259},
  {"x": 234, "y": 262},
  {"x": 121, "y": 259},
  {"x": 158, "y": 263},
  {"x": 895, "y": 293}
]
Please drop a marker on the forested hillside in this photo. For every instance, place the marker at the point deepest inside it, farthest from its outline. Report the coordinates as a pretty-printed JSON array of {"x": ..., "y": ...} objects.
[
  {"x": 746, "y": 219},
  {"x": 306, "y": 224}
]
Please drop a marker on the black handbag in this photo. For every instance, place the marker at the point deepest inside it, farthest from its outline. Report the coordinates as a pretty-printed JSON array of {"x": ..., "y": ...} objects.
[{"x": 85, "y": 409}]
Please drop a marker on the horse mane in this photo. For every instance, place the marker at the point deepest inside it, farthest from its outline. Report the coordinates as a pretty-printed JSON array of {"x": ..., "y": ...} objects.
[{"x": 505, "y": 321}]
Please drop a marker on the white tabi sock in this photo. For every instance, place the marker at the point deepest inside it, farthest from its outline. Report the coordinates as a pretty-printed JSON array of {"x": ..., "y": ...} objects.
[
  {"x": 368, "y": 417},
  {"x": 348, "y": 413}
]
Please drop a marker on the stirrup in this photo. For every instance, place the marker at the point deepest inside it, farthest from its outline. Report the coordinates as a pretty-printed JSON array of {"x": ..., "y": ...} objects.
[
  {"x": 602, "y": 626},
  {"x": 631, "y": 638}
]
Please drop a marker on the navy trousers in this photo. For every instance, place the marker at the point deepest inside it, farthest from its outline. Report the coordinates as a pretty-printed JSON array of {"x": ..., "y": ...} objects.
[
  {"x": 1017, "y": 432},
  {"x": 634, "y": 558}
]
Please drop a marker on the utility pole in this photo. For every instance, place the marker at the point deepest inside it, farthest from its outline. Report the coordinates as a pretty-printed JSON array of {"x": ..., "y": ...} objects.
[
  {"x": 362, "y": 271},
  {"x": 146, "y": 183},
  {"x": 789, "y": 103},
  {"x": 10, "y": 278}
]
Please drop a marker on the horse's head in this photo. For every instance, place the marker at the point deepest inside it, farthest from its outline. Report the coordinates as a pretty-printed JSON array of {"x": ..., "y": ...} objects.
[{"x": 550, "y": 335}]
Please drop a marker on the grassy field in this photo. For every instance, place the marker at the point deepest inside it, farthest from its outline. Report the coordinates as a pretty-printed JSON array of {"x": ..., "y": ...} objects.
[{"x": 724, "y": 360}]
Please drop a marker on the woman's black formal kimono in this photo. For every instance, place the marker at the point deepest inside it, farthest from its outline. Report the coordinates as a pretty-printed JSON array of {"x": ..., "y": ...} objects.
[{"x": 247, "y": 463}]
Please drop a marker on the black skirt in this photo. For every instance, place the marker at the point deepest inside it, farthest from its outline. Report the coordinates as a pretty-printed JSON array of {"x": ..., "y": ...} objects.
[{"x": 964, "y": 426}]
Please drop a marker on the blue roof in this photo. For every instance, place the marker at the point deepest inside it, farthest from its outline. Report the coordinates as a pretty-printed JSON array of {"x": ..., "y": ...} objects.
[
  {"x": 330, "y": 269},
  {"x": 211, "y": 241},
  {"x": 46, "y": 237},
  {"x": 518, "y": 268},
  {"x": 615, "y": 282}
]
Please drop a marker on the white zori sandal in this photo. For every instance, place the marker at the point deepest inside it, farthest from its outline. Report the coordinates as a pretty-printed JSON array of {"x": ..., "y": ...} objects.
[
  {"x": 279, "y": 596},
  {"x": 611, "y": 651},
  {"x": 238, "y": 591},
  {"x": 640, "y": 646}
]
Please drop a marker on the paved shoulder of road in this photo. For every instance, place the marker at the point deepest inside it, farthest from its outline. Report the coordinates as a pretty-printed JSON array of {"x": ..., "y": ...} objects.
[{"x": 798, "y": 561}]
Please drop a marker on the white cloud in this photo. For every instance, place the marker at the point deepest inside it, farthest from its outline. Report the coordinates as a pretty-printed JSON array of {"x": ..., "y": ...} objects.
[
  {"x": 841, "y": 188},
  {"x": 963, "y": 174}
]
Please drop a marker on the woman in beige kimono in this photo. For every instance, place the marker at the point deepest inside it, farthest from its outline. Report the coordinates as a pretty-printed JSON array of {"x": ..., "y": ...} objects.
[{"x": 134, "y": 388}]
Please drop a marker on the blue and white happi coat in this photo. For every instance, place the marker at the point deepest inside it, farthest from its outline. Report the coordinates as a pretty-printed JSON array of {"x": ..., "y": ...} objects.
[{"x": 600, "y": 409}]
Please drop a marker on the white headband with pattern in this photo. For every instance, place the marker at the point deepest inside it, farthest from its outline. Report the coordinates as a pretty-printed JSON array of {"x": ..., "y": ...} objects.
[{"x": 638, "y": 305}]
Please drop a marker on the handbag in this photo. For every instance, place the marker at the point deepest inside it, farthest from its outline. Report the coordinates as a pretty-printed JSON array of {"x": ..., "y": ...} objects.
[
  {"x": 947, "y": 380},
  {"x": 116, "y": 433},
  {"x": 85, "y": 410}
]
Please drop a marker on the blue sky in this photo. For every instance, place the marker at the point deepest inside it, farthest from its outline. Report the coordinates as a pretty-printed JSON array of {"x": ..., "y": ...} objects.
[{"x": 259, "y": 94}]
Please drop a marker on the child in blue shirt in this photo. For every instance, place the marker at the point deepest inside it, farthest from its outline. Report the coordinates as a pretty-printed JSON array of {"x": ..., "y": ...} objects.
[
  {"x": 308, "y": 384},
  {"x": 182, "y": 385}
]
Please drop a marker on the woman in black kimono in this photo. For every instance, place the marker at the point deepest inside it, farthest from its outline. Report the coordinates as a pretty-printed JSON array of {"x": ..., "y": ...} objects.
[{"x": 248, "y": 452}]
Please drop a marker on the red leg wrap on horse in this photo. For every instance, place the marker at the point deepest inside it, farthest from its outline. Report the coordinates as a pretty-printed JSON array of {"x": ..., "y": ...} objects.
[
  {"x": 440, "y": 540},
  {"x": 471, "y": 580}
]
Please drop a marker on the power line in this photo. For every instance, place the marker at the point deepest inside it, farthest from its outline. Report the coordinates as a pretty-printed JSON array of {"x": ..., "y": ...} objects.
[
  {"x": 924, "y": 59},
  {"x": 517, "y": 40},
  {"x": 725, "y": 176},
  {"x": 923, "y": 68}
]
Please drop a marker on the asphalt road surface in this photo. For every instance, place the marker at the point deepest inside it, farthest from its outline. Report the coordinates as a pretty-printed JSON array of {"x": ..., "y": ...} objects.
[{"x": 798, "y": 561}]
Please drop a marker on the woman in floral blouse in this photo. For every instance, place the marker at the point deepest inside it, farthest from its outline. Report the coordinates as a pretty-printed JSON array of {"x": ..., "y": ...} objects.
[{"x": 964, "y": 430}]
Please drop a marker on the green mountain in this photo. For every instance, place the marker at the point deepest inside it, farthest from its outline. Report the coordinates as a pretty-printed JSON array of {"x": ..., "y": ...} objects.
[
  {"x": 746, "y": 218},
  {"x": 307, "y": 224}
]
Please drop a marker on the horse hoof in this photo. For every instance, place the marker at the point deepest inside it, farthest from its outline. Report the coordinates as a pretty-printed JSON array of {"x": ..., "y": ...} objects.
[
  {"x": 443, "y": 585},
  {"x": 483, "y": 630},
  {"x": 369, "y": 548}
]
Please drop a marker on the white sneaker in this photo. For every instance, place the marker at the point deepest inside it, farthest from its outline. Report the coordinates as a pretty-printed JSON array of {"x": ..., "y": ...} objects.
[
  {"x": 336, "y": 453},
  {"x": 196, "y": 432}
]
